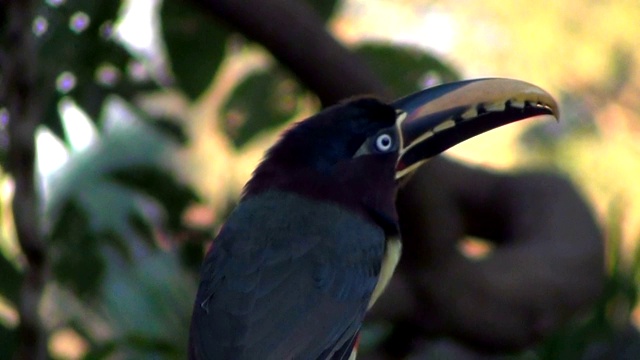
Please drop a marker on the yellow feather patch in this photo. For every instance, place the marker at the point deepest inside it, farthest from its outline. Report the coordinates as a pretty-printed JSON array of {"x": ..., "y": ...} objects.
[{"x": 389, "y": 262}]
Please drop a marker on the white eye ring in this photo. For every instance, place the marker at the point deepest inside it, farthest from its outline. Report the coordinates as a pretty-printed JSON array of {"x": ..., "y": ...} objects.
[{"x": 384, "y": 142}]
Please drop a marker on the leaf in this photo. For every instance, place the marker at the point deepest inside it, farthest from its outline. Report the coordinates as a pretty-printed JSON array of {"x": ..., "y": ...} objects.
[
  {"x": 148, "y": 304},
  {"x": 3, "y": 156},
  {"x": 170, "y": 127},
  {"x": 11, "y": 280},
  {"x": 404, "y": 68},
  {"x": 8, "y": 341},
  {"x": 324, "y": 8},
  {"x": 91, "y": 212},
  {"x": 160, "y": 185},
  {"x": 87, "y": 55},
  {"x": 264, "y": 100},
  {"x": 75, "y": 253},
  {"x": 104, "y": 351},
  {"x": 143, "y": 312},
  {"x": 195, "y": 45},
  {"x": 153, "y": 347}
]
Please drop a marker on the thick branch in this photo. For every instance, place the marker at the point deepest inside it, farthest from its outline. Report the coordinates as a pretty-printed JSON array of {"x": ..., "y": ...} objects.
[
  {"x": 24, "y": 103},
  {"x": 294, "y": 33}
]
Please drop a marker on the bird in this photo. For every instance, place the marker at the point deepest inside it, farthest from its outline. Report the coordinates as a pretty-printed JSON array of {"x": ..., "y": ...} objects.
[{"x": 314, "y": 238}]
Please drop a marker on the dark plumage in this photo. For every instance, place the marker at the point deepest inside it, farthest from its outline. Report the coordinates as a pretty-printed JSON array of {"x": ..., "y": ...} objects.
[
  {"x": 291, "y": 273},
  {"x": 314, "y": 239}
]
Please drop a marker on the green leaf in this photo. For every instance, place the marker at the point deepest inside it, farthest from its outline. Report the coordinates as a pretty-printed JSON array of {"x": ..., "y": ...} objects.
[
  {"x": 92, "y": 213},
  {"x": 404, "y": 68},
  {"x": 3, "y": 155},
  {"x": 11, "y": 280},
  {"x": 160, "y": 185},
  {"x": 264, "y": 100},
  {"x": 4, "y": 147},
  {"x": 104, "y": 351},
  {"x": 324, "y": 8},
  {"x": 153, "y": 348},
  {"x": 75, "y": 253},
  {"x": 8, "y": 342},
  {"x": 149, "y": 302},
  {"x": 85, "y": 54},
  {"x": 195, "y": 44},
  {"x": 171, "y": 128}
]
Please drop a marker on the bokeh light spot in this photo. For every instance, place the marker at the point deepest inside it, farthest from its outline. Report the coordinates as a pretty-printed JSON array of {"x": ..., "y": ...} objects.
[
  {"x": 40, "y": 26},
  {"x": 106, "y": 29},
  {"x": 137, "y": 71},
  {"x": 107, "y": 74},
  {"x": 65, "y": 82},
  {"x": 4, "y": 117},
  {"x": 79, "y": 22}
]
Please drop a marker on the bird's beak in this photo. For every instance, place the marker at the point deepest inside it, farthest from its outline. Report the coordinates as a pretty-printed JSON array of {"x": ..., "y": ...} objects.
[{"x": 437, "y": 118}]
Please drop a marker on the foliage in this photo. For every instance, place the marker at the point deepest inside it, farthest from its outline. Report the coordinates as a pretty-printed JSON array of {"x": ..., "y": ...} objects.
[
  {"x": 80, "y": 42},
  {"x": 115, "y": 211},
  {"x": 405, "y": 69},
  {"x": 115, "y": 208},
  {"x": 196, "y": 45},
  {"x": 264, "y": 100}
]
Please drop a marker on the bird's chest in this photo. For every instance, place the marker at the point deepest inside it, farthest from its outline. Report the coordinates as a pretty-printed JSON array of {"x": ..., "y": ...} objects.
[{"x": 342, "y": 252}]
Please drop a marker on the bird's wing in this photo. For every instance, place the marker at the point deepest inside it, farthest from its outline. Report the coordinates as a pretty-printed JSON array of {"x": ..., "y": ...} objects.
[{"x": 294, "y": 296}]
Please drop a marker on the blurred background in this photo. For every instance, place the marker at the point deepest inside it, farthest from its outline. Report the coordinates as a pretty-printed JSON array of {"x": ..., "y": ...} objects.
[{"x": 155, "y": 114}]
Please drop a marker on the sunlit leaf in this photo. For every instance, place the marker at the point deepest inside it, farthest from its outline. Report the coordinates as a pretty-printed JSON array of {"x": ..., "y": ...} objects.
[
  {"x": 195, "y": 44},
  {"x": 80, "y": 131},
  {"x": 405, "y": 69},
  {"x": 264, "y": 100}
]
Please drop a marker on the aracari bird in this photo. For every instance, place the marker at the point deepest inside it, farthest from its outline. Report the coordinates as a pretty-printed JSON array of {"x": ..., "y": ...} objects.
[{"x": 314, "y": 238}]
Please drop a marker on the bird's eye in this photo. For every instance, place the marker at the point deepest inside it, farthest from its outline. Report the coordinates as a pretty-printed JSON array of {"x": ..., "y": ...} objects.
[{"x": 384, "y": 142}]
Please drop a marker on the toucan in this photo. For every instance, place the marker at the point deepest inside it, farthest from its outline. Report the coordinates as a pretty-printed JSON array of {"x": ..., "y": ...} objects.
[{"x": 314, "y": 238}]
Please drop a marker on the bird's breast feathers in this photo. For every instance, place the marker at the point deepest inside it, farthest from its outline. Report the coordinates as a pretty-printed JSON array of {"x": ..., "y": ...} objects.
[{"x": 288, "y": 273}]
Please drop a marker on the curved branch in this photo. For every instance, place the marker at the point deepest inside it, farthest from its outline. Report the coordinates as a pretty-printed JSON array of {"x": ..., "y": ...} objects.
[{"x": 294, "y": 34}]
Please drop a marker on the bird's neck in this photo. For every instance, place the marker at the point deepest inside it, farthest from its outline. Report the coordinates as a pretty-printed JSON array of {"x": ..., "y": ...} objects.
[{"x": 351, "y": 185}]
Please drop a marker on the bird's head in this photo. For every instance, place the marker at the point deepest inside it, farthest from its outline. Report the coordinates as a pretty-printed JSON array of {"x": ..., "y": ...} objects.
[{"x": 355, "y": 152}]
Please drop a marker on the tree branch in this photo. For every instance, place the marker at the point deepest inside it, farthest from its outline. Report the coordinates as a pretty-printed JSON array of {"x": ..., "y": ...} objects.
[
  {"x": 294, "y": 34},
  {"x": 19, "y": 91}
]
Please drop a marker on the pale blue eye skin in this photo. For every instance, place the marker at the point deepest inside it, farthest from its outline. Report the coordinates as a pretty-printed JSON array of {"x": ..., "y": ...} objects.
[{"x": 384, "y": 142}]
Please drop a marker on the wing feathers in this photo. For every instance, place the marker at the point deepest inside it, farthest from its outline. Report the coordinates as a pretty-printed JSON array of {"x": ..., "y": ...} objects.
[{"x": 286, "y": 291}]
